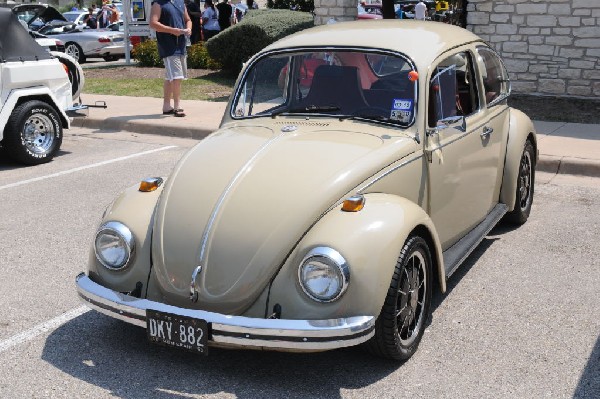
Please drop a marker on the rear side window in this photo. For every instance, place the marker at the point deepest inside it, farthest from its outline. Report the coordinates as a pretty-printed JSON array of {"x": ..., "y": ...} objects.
[{"x": 495, "y": 77}]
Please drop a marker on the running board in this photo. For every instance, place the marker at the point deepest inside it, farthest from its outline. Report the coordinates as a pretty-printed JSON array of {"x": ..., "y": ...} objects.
[{"x": 456, "y": 254}]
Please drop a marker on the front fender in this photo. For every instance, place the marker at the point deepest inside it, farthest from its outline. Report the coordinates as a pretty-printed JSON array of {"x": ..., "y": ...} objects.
[
  {"x": 520, "y": 128},
  {"x": 135, "y": 209},
  {"x": 370, "y": 241}
]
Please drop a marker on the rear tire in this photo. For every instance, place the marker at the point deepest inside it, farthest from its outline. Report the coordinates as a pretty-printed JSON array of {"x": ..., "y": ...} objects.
[
  {"x": 525, "y": 187},
  {"x": 74, "y": 50},
  {"x": 401, "y": 323},
  {"x": 33, "y": 133}
]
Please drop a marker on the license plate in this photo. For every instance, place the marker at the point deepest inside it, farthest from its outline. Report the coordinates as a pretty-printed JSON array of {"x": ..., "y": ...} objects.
[{"x": 177, "y": 331}]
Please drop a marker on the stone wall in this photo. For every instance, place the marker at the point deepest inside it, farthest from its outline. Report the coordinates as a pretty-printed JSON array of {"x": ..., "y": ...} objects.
[
  {"x": 340, "y": 10},
  {"x": 550, "y": 47}
]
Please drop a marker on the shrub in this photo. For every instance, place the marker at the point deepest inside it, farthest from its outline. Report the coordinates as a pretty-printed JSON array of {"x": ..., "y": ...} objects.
[
  {"x": 259, "y": 28},
  {"x": 296, "y": 5},
  {"x": 198, "y": 58},
  {"x": 146, "y": 54}
]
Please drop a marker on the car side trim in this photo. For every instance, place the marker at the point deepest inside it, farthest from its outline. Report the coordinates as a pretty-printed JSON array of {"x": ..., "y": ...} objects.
[{"x": 282, "y": 334}]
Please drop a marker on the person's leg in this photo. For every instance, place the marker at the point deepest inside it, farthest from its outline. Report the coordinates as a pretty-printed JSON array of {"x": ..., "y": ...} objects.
[
  {"x": 168, "y": 84},
  {"x": 179, "y": 69},
  {"x": 167, "y": 94}
]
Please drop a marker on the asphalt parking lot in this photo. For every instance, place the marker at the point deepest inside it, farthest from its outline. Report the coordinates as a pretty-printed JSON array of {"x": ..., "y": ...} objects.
[{"x": 521, "y": 318}]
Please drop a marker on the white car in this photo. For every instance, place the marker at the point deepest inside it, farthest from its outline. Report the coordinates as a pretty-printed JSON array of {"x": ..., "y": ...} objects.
[
  {"x": 37, "y": 92},
  {"x": 76, "y": 17}
]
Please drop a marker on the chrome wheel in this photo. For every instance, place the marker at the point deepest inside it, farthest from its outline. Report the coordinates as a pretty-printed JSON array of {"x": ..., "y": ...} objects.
[
  {"x": 74, "y": 51},
  {"x": 412, "y": 292},
  {"x": 525, "y": 174},
  {"x": 38, "y": 133}
]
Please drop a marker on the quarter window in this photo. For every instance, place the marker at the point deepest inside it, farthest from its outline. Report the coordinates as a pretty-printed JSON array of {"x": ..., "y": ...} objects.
[{"x": 495, "y": 77}]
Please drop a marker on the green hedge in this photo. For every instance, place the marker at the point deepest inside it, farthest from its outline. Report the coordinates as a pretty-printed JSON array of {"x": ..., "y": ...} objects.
[
  {"x": 259, "y": 28},
  {"x": 146, "y": 54}
]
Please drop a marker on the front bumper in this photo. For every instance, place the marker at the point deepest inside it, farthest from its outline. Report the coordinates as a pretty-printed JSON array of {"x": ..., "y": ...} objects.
[{"x": 282, "y": 334}]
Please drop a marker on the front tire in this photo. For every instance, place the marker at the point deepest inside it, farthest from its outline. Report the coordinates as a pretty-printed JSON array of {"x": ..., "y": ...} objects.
[
  {"x": 525, "y": 187},
  {"x": 401, "y": 323},
  {"x": 33, "y": 133}
]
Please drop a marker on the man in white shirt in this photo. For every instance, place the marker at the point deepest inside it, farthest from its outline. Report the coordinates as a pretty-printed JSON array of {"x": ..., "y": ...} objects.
[{"x": 420, "y": 11}]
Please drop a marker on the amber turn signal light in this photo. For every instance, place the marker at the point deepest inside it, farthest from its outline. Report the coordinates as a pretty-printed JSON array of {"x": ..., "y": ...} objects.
[
  {"x": 354, "y": 204},
  {"x": 150, "y": 184}
]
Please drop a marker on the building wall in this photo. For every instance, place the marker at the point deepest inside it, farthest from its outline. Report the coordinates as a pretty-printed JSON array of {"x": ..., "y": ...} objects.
[
  {"x": 550, "y": 47},
  {"x": 340, "y": 10}
]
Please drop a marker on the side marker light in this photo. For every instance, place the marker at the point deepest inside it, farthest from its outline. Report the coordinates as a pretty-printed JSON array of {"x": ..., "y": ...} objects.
[
  {"x": 354, "y": 204},
  {"x": 150, "y": 184}
]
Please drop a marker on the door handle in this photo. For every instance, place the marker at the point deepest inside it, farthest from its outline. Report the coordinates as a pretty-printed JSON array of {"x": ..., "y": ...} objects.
[{"x": 486, "y": 132}]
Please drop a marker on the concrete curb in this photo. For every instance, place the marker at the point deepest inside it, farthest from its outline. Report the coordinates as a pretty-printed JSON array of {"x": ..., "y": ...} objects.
[
  {"x": 117, "y": 123},
  {"x": 568, "y": 166}
]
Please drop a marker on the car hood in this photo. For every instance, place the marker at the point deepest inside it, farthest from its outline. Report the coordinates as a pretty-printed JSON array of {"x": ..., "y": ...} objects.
[
  {"x": 29, "y": 12},
  {"x": 239, "y": 201}
]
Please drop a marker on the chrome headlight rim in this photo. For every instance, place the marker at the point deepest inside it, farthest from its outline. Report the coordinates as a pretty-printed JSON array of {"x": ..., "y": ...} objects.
[
  {"x": 125, "y": 234},
  {"x": 340, "y": 263}
]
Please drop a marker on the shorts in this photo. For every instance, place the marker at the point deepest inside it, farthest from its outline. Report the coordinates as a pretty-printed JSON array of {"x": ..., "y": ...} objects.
[{"x": 175, "y": 67}]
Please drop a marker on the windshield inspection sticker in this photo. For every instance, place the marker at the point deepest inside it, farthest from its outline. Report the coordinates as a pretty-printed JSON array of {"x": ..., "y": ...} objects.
[
  {"x": 401, "y": 110},
  {"x": 402, "y": 104}
]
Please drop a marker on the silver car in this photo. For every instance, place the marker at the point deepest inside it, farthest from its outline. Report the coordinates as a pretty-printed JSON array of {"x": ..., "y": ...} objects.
[{"x": 80, "y": 43}]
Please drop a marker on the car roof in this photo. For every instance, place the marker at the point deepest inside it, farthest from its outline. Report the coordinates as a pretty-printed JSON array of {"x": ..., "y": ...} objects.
[{"x": 423, "y": 41}]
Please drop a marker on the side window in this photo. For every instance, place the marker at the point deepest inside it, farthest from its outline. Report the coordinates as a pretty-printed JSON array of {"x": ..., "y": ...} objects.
[
  {"x": 495, "y": 77},
  {"x": 452, "y": 89}
]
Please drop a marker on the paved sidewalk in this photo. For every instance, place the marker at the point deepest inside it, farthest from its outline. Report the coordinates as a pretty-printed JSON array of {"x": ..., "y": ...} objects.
[{"x": 565, "y": 148}]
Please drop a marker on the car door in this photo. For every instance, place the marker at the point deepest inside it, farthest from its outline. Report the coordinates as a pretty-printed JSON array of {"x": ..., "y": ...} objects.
[{"x": 463, "y": 156}]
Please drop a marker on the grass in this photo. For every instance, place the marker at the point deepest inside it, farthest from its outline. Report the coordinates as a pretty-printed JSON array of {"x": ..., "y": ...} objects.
[{"x": 206, "y": 88}]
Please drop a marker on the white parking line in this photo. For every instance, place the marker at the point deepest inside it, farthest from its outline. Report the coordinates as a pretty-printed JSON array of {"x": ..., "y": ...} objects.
[
  {"x": 42, "y": 328},
  {"x": 94, "y": 165}
]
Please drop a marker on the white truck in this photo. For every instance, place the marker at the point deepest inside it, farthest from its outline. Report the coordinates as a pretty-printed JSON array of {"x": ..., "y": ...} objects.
[{"x": 37, "y": 94}]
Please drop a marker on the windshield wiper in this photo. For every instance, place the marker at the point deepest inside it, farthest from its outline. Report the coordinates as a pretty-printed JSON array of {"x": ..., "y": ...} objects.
[
  {"x": 316, "y": 108},
  {"x": 308, "y": 109},
  {"x": 377, "y": 117}
]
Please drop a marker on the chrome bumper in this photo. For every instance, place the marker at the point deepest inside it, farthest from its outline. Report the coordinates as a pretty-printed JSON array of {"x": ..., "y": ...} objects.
[{"x": 295, "y": 335}]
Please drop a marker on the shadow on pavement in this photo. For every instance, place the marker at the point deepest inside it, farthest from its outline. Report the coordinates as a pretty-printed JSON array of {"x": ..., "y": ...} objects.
[
  {"x": 115, "y": 356},
  {"x": 589, "y": 383}
]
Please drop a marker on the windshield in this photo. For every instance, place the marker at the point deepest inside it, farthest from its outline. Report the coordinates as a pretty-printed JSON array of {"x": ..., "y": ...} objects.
[
  {"x": 342, "y": 83},
  {"x": 71, "y": 16}
]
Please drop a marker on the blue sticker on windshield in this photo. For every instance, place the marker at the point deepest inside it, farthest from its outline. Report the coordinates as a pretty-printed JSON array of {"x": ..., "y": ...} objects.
[
  {"x": 401, "y": 110},
  {"x": 402, "y": 104}
]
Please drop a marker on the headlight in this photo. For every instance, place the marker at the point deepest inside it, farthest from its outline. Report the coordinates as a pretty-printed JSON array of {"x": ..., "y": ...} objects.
[
  {"x": 324, "y": 274},
  {"x": 114, "y": 245}
]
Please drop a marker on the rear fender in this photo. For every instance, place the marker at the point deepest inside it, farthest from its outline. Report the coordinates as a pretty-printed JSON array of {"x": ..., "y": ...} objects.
[
  {"x": 370, "y": 241},
  {"x": 520, "y": 129}
]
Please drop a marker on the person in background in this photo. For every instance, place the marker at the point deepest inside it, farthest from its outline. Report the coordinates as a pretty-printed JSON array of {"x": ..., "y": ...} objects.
[
  {"x": 103, "y": 16},
  {"x": 114, "y": 14},
  {"x": 210, "y": 20},
  {"x": 170, "y": 20},
  {"x": 225, "y": 13},
  {"x": 420, "y": 11},
  {"x": 195, "y": 14},
  {"x": 90, "y": 19}
]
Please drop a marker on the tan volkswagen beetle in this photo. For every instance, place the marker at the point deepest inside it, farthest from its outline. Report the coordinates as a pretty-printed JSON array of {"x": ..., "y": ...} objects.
[{"x": 357, "y": 165}]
